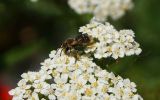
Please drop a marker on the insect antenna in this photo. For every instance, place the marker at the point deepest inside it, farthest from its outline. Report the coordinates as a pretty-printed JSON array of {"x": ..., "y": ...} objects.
[{"x": 61, "y": 47}]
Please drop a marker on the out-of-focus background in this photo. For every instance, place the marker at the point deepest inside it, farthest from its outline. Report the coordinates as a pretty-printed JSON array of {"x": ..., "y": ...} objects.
[{"x": 30, "y": 29}]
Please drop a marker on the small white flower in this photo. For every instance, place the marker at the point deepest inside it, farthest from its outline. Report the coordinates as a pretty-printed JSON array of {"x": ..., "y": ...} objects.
[
  {"x": 137, "y": 97},
  {"x": 17, "y": 93},
  {"x": 138, "y": 51},
  {"x": 62, "y": 79},
  {"x": 23, "y": 84},
  {"x": 30, "y": 76},
  {"x": 52, "y": 97},
  {"x": 40, "y": 86},
  {"x": 52, "y": 54},
  {"x": 47, "y": 64},
  {"x": 34, "y": 96}
]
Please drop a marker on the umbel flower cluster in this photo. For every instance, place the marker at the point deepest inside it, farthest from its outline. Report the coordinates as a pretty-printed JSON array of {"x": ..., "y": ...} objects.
[
  {"x": 101, "y": 9},
  {"x": 109, "y": 41},
  {"x": 63, "y": 77}
]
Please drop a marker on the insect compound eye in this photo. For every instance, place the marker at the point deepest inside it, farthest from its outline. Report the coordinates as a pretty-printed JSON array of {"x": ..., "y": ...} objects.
[{"x": 86, "y": 39}]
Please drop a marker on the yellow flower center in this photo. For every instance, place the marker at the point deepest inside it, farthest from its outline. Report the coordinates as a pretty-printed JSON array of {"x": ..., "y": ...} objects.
[
  {"x": 76, "y": 66},
  {"x": 79, "y": 85},
  {"x": 73, "y": 97},
  {"x": 54, "y": 73},
  {"x": 86, "y": 76},
  {"x": 88, "y": 92},
  {"x": 39, "y": 86},
  {"x": 66, "y": 70},
  {"x": 95, "y": 84},
  {"x": 104, "y": 89},
  {"x": 67, "y": 60}
]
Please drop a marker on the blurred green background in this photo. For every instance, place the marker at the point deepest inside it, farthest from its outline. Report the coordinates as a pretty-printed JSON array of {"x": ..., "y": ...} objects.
[{"x": 30, "y": 29}]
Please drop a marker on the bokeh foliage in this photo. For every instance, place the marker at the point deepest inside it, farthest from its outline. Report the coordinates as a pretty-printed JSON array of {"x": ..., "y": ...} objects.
[{"x": 30, "y": 30}]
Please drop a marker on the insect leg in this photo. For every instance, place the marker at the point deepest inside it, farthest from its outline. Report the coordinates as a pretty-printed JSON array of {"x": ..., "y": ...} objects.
[
  {"x": 61, "y": 51},
  {"x": 59, "y": 48}
]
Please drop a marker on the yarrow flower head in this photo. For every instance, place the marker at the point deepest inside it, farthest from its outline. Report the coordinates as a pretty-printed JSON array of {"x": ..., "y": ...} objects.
[
  {"x": 61, "y": 77},
  {"x": 109, "y": 41},
  {"x": 101, "y": 9}
]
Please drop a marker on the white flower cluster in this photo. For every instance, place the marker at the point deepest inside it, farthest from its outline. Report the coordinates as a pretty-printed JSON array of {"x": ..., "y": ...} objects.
[
  {"x": 63, "y": 78},
  {"x": 109, "y": 41},
  {"x": 101, "y": 9}
]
